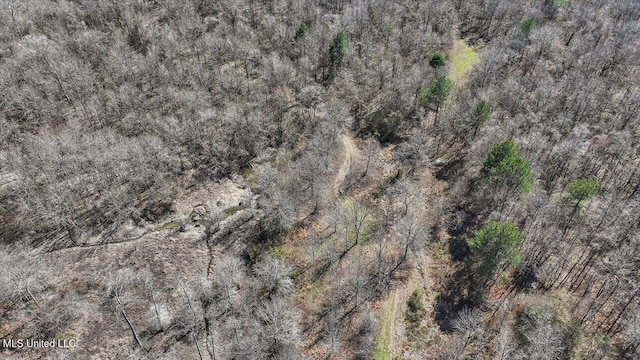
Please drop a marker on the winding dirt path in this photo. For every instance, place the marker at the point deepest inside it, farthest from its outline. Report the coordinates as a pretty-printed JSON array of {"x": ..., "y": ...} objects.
[{"x": 350, "y": 150}]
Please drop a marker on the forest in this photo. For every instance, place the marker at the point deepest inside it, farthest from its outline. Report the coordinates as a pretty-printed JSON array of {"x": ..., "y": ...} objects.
[{"x": 320, "y": 179}]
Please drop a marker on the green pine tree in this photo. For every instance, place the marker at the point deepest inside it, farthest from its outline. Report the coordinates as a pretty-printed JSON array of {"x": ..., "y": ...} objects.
[
  {"x": 415, "y": 308},
  {"x": 504, "y": 166},
  {"x": 302, "y": 31},
  {"x": 527, "y": 25},
  {"x": 494, "y": 247},
  {"x": 337, "y": 51},
  {"x": 436, "y": 94},
  {"x": 480, "y": 115},
  {"x": 437, "y": 61},
  {"x": 581, "y": 190}
]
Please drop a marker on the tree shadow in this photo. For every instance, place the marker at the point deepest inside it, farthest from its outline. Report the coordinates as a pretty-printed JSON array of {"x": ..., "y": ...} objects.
[
  {"x": 524, "y": 277},
  {"x": 463, "y": 290},
  {"x": 459, "y": 231},
  {"x": 459, "y": 249},
  {"x": 449, "y": 170}
]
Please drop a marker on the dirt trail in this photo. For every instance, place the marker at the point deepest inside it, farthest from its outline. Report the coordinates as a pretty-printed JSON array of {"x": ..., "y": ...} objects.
[
  {"x": 390, "y": 341},
  {"x": 393, "y": 298},
  {"x": 350, "y": 150}
]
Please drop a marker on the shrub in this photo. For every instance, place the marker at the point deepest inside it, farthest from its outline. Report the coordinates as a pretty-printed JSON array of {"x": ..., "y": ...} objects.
[
  {"x": 527, "y": 25},
  {"x": 415, "y": 311},
  {"x": 437, "y": 61}
]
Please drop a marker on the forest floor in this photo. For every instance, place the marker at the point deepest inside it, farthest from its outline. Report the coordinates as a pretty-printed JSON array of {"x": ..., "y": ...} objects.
[{"x": 171, "y": 254}]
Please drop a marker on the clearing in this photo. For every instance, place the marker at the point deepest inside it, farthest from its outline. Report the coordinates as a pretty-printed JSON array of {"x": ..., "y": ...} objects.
[
  {"x": 384, "y": 339},
  {"x": 462, "y": 58}
]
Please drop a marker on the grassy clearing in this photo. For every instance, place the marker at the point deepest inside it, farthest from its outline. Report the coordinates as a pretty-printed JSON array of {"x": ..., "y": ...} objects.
[
  {"x": 462, "y": 58},
  {"x": 383, "y": 340}
]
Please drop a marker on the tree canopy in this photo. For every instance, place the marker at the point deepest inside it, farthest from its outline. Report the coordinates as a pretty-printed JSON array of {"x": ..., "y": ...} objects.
[
  {"x": 437, "y": 93},
  {"x": 337, "y": 50},
  {"x": 582, "y": 189},
  {"x": 527, "y": 25},
  {"x": 495, "y": 246},
  {"x": 504, "y": 166},
  {"x": 480, "y": 115},
  {"x": 437, "y": 60}
]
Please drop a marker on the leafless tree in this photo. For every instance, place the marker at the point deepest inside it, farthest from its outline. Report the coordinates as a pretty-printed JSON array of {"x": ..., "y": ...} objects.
[
  {"x": 274, "y": 276},
  {"x": 356, "y": 220},
  {"x": 279, "y": 330},
  {"x": 119, "y": 284},
  {"x": 226, "y": 281},
  {"x": 469, "y": 324},
  {"x": 506, "y": 346},
  {"x": 411, "y": 235},
  {"x": 21, "y": 276},
  {"x": 545, "y": 343}
]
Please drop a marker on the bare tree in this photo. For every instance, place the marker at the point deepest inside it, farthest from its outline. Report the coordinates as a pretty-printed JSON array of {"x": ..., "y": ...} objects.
[
  {"x": 356, "y": 220},
  {"x": 331, "y": 332},
  {"x": 119, "y": 284},
  {"x": 545, "y": 343},
  {"x": 274, "y": 276},
  {"x": 194, "y": 314},
  {"x": 469, "y": 324},
  {"x": 227, "y": 276},
  {"x": 22, "y": 275},
  {"x": 411, "y": 235},
  {"x": 279, "y": 332},
  {"x": 506, "y": 346}
]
